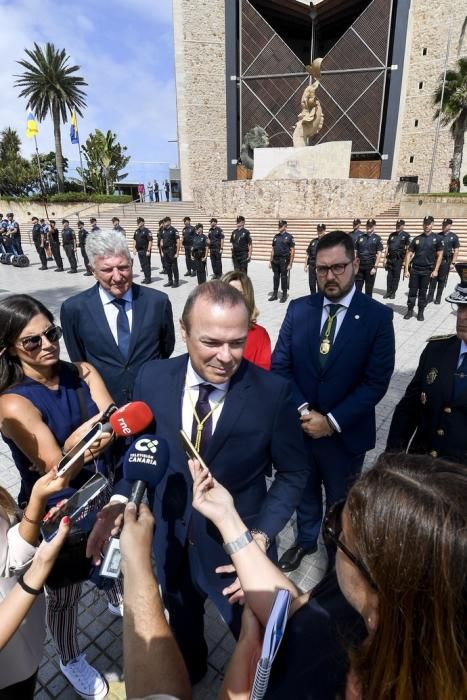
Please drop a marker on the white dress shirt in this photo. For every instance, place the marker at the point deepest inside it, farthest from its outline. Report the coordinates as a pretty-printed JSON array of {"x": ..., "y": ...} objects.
[
  {"x": 462, "y": 352},
  {"x": 111, "y": 311},
  {"x": 190, "y": 397},
  {"x": 340, "y": 315}
]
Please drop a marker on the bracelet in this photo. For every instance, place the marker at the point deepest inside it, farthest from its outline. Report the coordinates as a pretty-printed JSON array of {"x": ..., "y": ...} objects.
[
  {"x": 28, "y": 520},
  {"x": 267, "y": 539},
  {"x": 235, "y": 546},
  {"x": 28, "y": 589}
]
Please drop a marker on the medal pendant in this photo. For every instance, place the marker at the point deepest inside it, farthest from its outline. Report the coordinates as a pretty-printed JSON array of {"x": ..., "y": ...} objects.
[{"x": 325, "y": 347}]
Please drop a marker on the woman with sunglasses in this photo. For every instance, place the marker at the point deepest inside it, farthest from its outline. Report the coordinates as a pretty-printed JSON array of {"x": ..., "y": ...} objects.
[
  {"x": 393, "y": 624},
  {"x": 42, "y": 404}
]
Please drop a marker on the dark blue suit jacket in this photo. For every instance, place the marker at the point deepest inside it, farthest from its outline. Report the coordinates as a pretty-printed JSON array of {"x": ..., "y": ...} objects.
[
  {"x": 258, "y": 427},
  {"x": 88, "y": 337},
  {"x": 357, "y": 373}
]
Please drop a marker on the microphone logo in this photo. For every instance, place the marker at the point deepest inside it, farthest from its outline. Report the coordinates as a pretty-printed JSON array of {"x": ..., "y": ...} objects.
[
  {"x": 146, "y": 445},
  {"x": 124, "y": 427}
]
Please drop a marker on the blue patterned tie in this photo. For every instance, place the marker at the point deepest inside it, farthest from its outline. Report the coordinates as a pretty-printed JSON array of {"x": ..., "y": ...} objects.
[
  {"x": 460, "y": 377},
  {"x": 202, "y": 409},
  {"x": 123, "y": 327}
]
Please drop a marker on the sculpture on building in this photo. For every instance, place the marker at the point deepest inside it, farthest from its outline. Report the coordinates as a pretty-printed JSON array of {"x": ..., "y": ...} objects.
[
  {"x": 257, "y": 137},
  {"x": 311, "y": 118}
]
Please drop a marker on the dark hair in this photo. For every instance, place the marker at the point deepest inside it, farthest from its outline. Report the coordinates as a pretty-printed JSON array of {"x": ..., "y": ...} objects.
[
  {"x": 334, "y": 238},
  {"x": 65, "y": 221},
  {"x": 167, "y": 218},
  {"x": 219, "y": 294},
  {"x": 52, "y": 221},
  {"x": 213, "y": 220},
  {"x": 140, "y": 220},
  {"x": 198, "y": 226},
  {"x": 80, "y": 223},
  {"x": 16, "y": 311},
  {"x": 408, "y": 524},
  {"x": 92, "y": 218},
  {"x": 34, "y": 218},
  {"x": 187, "y": 218},
  {"x": 282, "y": 222},
  {"x": 240, "y": 218},
  {"x": 115, "y": 218}
]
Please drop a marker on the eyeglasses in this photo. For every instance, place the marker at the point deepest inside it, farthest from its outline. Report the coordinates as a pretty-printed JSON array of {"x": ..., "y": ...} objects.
[
  {"x": 337, "y": 269},
  {"x": 34, "y": 342},
  {"x": 332, "y": 529}
]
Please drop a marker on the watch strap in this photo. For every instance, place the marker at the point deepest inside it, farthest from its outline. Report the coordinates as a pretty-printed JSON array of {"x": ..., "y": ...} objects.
[{"x": 235, "y": 546}]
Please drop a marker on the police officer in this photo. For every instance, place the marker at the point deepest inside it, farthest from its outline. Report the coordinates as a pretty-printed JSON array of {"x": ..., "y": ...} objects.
[
  {"x": 310, "y": 264},
  {"x": 69, "y": 245},
  {"x": 143, "y": 245},
  {"x": 398, "y": 242},
  {"x": 45, "y": 233},
  {"x": 15, "y": 233},
  {"x": 200, "y": 253},
  {"x": 82, "y": 236},
  {"x": 422, "y": 262},
  {"x": 242, "y": 246},
  {"x": 54, "y": 241},
  {"x": 435, "y": 402},
  {"x": 159, "y": 246},
  {"x": 356, "y": 231},
  {"x": 187, "y": 242},
  {"x": 450, "y": 252},
  {"x": 94, "y": 226},
  {"x": 170, "y": 246},
  {"x": 282, "y": 256},
  {"x": 38, "y": 240},
  {"x": 216, "y": 246},
  {"x": 116, "y": 225},
  {"x": 368, "y": 249}
]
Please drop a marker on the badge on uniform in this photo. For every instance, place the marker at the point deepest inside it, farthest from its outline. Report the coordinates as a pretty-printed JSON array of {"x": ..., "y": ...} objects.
[
  {"x": 417, "y": 242},
  {"x": 431, "y": 376},
  {"x": 423, "y": 398}
]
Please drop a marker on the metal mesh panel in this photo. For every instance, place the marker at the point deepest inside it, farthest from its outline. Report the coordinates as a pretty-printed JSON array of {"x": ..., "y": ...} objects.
[
  {"x": 253, "y": 112},
  {"x": 349, "y": 52},
  {"x": 373, "y": 25},
  {"x": 256, "y": 33},
  {"x": 276, "y": 57},
  {"x": 364, "y": 114}
]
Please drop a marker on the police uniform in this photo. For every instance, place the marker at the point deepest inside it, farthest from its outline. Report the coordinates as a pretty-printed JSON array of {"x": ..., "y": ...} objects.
[
  {"x": 169, "y": 238},
  {"x": 398, "y": 243},
  {"x": 15, "y": 233},
  {"x": 82, "y": 236},
  {"x": 424, "y": 247},
  {"x": 187, "y": 242},
  {"x": 282, "y": 245},
  {"x": 450, "y": 243},
  {"x": 240, "y": 240},
  {"x": 142, "y": 238},
  {"x": 367, "y": 248},
  {"x": 355, "y": 235},
  {"x": 118, "y": 228},
  {"x": 215, "y": 238},
  {"x": 68, "y": 242},
  {"x": 38, "y": 240},
  {"x": 54, "y": 240},
  {"x": 199, "y": 249},
  {"x": 311, "y": 262}
]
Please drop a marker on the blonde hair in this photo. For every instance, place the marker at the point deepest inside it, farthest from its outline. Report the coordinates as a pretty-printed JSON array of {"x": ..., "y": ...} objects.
[
  {"x": 247, "y": 290},
  {"x": 7, "y": 503}
]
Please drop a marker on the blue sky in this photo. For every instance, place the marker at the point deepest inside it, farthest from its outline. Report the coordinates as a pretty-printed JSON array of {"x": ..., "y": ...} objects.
[{"x": 125, "y": 51}]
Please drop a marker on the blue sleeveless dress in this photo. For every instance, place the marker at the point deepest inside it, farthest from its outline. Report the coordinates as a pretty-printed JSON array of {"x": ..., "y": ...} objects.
[{"x": 60, "y": 411}]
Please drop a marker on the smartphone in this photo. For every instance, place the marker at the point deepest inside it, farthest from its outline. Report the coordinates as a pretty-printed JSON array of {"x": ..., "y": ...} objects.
[
  {"x": 75, "y": 506},
  {"x": 191, "y": 450},
  {"x": 79, "y": 449}
]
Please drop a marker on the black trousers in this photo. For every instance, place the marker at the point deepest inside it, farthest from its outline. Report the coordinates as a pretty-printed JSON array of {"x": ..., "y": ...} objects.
[
  {"x": 200, "y": 267},
  {"x": 17, "y": 242},
  {"x": 41, "y": 253},
  {"x": 55, "y": 247},
  {"x": 145, "y": 262},
  {"x": 240, "y": 261},
  {"x": 70, "y": 253},
  {"x": 216, "y": 262},
  {"x": 364, "y": 276},
  {"x": 279, "y": 268},
  {"x": 170, "y": 263},
  {"x": 24, "y": 690},
  {"x": 440, "y": 281},
  {"x": 394, "y": 274},
  {"x": 312, "y": 280},
  {"x": 418, "y": 285},
  {"x": 190, "y": 266},
  {"x": 85, "y": 257}
]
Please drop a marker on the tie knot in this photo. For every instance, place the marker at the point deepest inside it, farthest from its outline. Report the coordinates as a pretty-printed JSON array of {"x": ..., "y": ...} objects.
[
  {"x": 205, "y": 391},
  {"x": 119, "y": 303},
  {"x": 333, "y": 309}
]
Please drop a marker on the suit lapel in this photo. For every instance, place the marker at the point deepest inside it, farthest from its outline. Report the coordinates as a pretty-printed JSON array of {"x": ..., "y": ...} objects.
[
  {"x": 314, "y": 327},
  {"x": 448, "y": 366},
  {"x": 174, "y": 398},
  {"x": 351, "y": 324},
  {"x": 138, "y": 307}
]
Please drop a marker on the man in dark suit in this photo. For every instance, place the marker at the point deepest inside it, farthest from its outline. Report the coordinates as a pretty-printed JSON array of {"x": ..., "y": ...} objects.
[
  {"x": 338, "y": 349},
  {"x": 430, "y": 417},
  {"x": 242, "y": 420},
  {"x": 117, "y": 326}
]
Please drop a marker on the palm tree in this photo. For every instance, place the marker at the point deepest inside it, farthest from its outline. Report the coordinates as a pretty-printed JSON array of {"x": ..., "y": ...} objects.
[
  {"x": 453, "y": 111},
  {"x": 49, "y": 86}
]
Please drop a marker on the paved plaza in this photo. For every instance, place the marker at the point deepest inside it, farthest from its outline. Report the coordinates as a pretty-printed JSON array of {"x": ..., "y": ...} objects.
[{"x": 100, "y": 632}]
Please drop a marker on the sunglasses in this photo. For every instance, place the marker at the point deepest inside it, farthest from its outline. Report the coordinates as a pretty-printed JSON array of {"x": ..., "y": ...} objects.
[
  {"x": 332, "y": 529},
  {"x": 34, "y": 342}
]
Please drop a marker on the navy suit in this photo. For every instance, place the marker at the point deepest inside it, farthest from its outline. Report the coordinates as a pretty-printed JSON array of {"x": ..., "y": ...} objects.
[
  {"x": 354, "y": 379},
  {"x": 88, "y": 337},
  {"x": 258, "y": 427}
]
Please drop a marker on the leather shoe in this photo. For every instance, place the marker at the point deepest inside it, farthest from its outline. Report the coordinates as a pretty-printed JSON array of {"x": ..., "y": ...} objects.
[
  {"x": 273, "y": 297},
  {"x": 408, "y": 315},
  {"x": 291, "y": 559},
  {"x": 168, "y": 284},
  {"x": 420, "y": 316}
]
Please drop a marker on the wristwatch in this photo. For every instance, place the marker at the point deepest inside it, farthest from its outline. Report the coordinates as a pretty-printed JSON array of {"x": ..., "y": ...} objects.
[{"x": 235, "y": 546}]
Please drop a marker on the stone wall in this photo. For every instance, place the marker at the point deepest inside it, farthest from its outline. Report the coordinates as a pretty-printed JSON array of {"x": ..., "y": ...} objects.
[
  {"x": 421, "y": 205},
  {"x": 425, "y": 57},
  {"x": 199, "y": 38},
  {"x": 299, "y": 198}
]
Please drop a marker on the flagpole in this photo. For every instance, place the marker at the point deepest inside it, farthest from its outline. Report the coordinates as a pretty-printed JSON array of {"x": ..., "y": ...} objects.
[
  {"x": 44, "y": 193},
  {"x": 81, "y": 163}
]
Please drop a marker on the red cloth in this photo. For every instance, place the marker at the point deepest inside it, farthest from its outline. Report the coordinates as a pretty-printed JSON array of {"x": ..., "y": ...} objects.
[{"x": 258, "y": 347}]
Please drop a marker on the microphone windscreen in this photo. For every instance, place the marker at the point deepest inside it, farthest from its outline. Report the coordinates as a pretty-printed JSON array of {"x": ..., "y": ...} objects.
[
  {"x": 146, "y": 460},
  {"x": 132, "y": 418}
]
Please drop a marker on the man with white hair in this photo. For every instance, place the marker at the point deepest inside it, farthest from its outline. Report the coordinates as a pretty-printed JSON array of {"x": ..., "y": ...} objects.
[{"x": 116, "y": 325}]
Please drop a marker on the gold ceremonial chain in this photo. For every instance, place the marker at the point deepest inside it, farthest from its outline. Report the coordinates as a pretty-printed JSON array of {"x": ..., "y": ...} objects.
[
  {"x": 325, "y": 346},
  {"x": 200, "y": 423}
]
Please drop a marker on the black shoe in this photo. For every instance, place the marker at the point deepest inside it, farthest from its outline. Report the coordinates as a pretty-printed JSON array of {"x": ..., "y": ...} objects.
[
  {"x": 292, "y": 558},
  {"x": 187, "y": 274},
  {"x": 163, "y": 272},
  {"x": 392, "y": 295},
  {"x": 50, "y": 259},
  {"x": 146, "y": 282},
  {"x": 420, "y": 316},
  {"x": 59, "y": 269},
  {"x": 437, "y": 301},
  {"x": 273, "y": 297},
  {"x": 175, "y": 284},
  {"x": 87, "y": 274},
  {"x": 72, "y": 272},
  {"x": 429, "y": 299},
  {"x": 408, "y": 315},
  {"x": 283, "y": 298},
  {"x": 193, "y": 274},
  {"x": 387, "y": 295},
  {"x": 43, "y": 267},
  {"x": 168, "y": 284}
]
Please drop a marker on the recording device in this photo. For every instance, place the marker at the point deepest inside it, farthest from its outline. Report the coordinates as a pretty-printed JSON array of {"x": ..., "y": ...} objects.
[
  {"x": 128, "y": 420},
  {"x": 75, "y": 507},
  {"x": 191, "y": 451},
  {"x": 145, "y": 464}
]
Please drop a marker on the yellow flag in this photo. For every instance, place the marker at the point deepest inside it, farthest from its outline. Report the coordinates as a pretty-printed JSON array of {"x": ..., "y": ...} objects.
[{"x": 31, "y": 126}]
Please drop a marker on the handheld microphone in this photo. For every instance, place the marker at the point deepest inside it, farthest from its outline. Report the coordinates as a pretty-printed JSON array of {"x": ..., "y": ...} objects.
[{"x": 145, "y": 464}]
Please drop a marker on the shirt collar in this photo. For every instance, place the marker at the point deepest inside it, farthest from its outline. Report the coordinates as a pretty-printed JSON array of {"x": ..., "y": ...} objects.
[
  {"x": 107, "y": 298},
  {"x": 345, "y": 301},
  {"x": 193, "y": 379},
  {"x": 463, "y": 349}
]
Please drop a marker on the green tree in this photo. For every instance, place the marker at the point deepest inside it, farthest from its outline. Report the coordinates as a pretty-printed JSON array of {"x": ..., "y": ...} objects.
[
  {"x": 18, "y": 176},
  {"x": 49, "y": 85},
  {"x": 49, "y": 170},
  {"x": 453, "y": 112},
  {"x": 105, "y": 158}
]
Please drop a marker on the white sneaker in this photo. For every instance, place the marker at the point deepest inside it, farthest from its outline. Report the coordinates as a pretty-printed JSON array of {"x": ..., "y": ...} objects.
[
  {"x": 116, "y": 610},
  {"x": 85, "y": 679}
]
